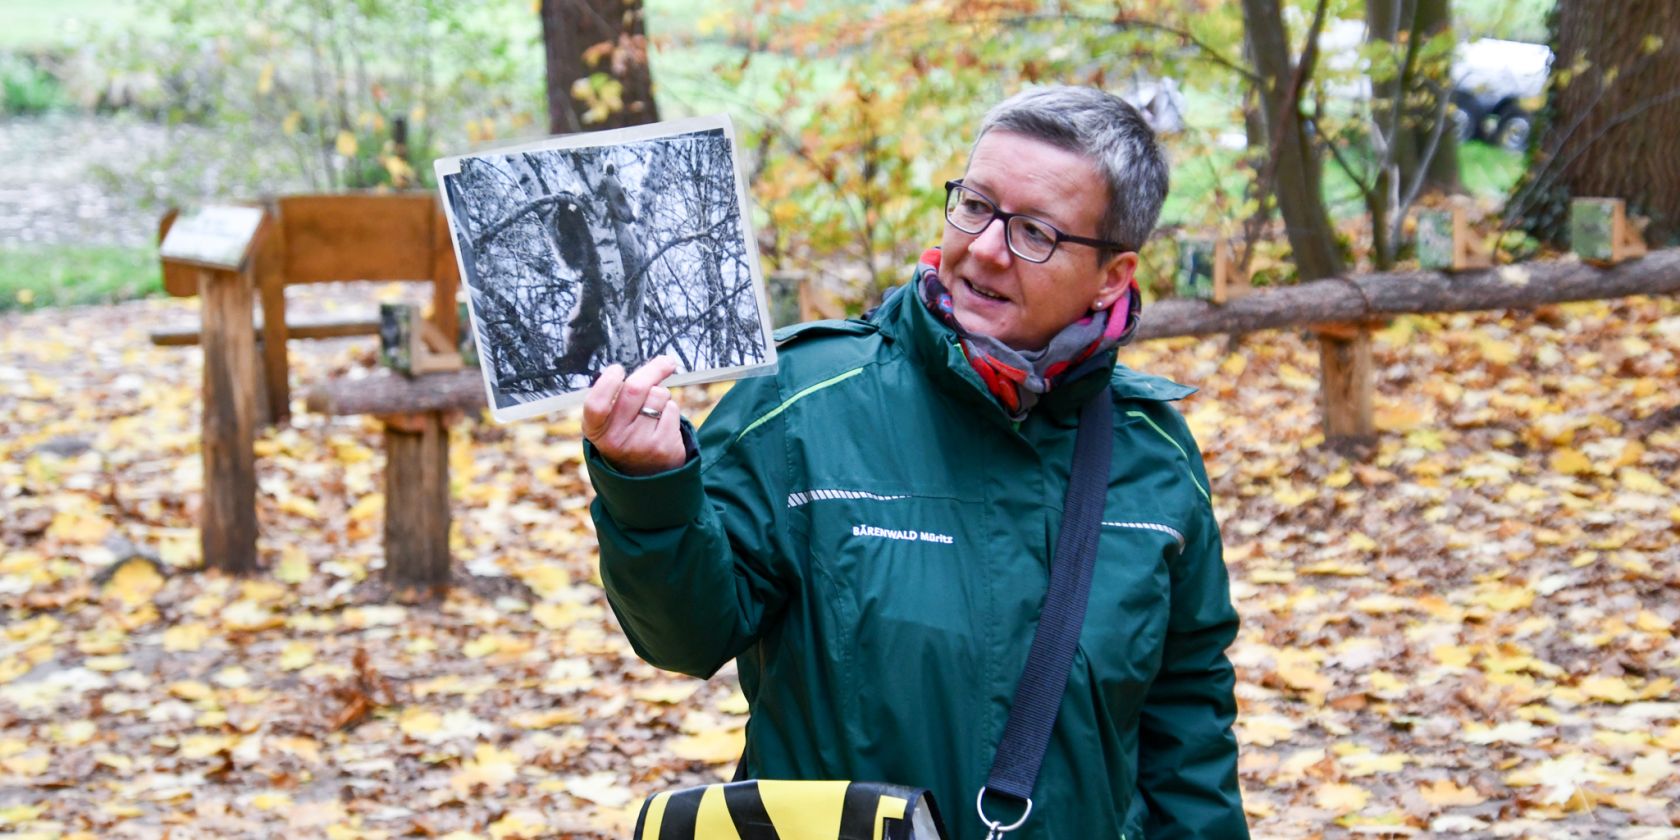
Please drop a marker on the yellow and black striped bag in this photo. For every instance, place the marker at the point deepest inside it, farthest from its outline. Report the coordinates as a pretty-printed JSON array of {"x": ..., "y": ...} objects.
[{"x": 791, "y": 810}]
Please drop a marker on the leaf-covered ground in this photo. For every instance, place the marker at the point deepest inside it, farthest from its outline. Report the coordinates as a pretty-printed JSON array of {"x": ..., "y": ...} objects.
[{"x": 1469, "y": 633}]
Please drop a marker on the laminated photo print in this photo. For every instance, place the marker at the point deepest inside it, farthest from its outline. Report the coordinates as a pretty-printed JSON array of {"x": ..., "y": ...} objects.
[{"x": 616, "y": 246}]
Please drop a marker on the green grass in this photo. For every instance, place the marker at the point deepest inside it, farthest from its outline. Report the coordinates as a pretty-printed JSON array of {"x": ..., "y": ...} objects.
[
  {"x": 1488, "y": 171},
  {"x": 67, "y": 275}
]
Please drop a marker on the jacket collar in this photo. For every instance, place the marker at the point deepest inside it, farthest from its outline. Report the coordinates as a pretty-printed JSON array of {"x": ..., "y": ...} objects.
[{"x": 903, "y": 317}]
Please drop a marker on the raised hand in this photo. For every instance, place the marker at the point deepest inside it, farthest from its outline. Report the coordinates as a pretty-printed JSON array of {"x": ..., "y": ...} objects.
[{"x": 633, "y": 420}]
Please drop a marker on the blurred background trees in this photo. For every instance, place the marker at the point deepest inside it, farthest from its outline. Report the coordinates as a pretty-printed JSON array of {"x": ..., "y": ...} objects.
[{"x": 1306, "y": 129}]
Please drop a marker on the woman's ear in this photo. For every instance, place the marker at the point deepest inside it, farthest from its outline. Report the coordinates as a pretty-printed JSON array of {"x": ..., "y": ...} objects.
[{"x": 1119, "y": 272}]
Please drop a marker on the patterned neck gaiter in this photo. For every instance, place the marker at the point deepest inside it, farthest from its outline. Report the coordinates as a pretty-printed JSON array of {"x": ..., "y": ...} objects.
[{"x": 1019, "y": 378}]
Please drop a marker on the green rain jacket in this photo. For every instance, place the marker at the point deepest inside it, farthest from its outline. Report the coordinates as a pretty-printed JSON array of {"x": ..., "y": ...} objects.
[{"x": 869, "y": 535}]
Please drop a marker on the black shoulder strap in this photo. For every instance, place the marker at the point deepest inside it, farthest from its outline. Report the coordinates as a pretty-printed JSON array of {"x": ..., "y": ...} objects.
[{"x": 1027, "y": 734}]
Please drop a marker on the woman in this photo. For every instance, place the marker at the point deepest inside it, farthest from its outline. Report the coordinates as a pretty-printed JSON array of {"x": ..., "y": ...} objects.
[{"x": 869, "y": 531}]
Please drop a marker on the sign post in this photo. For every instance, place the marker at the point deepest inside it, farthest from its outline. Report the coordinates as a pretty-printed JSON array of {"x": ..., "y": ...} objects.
[{"x": 214, "y": 243}]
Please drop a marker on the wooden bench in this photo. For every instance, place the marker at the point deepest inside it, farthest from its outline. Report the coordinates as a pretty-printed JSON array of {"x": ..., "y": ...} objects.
[
  {"x": 330, "y": 238},
  {"x": 343, "y": 327},
  {"x": 415, "y": 414}
]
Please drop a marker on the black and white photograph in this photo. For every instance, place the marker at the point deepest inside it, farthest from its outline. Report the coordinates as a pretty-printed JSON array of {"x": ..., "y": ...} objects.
[{"x": 586, "y": 250}]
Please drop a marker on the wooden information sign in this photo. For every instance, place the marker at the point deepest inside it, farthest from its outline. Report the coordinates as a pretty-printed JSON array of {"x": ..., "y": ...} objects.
[
  {"x": 1208, "y": 270},
  {"x": 410, "y": 344},
  {"x": 1445, "y": 241},
  {"x": 212, "y": 245},
  {"x": 1600, "y": 232},
  {"x": 213, "y": 236}
]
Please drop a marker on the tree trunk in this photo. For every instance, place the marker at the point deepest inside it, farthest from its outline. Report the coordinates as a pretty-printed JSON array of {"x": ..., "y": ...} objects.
[
  {"x": 1434, "y": 17},
  {"x": 1609, "y": 129},
  {"x": 612, "y": 34},
  {"x": 1425, "y": 84},
  {"x": 1296, "y": 169}
]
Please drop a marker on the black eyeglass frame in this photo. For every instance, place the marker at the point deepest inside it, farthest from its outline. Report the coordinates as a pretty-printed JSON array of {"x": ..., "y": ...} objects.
[{"x": 1009, "y": 238}]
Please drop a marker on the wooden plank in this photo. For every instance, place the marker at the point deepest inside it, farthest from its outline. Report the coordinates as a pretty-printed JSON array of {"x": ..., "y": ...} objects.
[
  {"x": 446, "y": 280},
  {"x": 358, "y": 237},
  {"x": 341, "y": 327},
  {"x": 267, "y": 268},
  {"x": 388, "y": 392},
  {"x": 178, "y": 280},
  {"x": 228, "y": 514},
  {"x": 1346, "y": 384},
  {"x": 417, "y": 504}
]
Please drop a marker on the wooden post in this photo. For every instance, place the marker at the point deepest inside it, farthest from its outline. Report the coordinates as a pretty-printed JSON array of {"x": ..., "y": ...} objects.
[
  {"x": 228, "y": 515},
  {"x": 446, "y": 280},
  {"x": 1346, "y": 384},
  {"x": 269, "y": 267},
  {"x": 416, "y": 501}
]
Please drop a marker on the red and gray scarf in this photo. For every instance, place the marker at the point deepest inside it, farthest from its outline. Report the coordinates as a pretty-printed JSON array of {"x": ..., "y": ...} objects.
[{"x": 1019, "y": 378}]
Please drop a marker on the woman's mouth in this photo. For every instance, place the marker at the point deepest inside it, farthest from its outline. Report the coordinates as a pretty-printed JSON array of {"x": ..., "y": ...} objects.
[{"x": 984, "y": 293}]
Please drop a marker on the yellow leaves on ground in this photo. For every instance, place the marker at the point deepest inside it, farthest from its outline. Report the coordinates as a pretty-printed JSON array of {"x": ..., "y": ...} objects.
[
  {"x": 296, "y": 656},
  {"x": 669, "y": 693},
  {"x": 547, "y": 719},
  {"x": 250, "y": 616},
  {"x": 205, "y": 745},
  {"x": 419, "y": 722},
  {"x": 1443, "y": 793},
  {"x": 190, "y": 636},
  {"x": 519, "y": 823},
  {"x": 1570, "y": 462},
  {"x": 602, "y": 788},
  {"x": 1608, "y": 690},
  {"x": 1504, "y": 598},
  {"x": 190, "y": 690},
  {"x": 715, "y": 747},
  {"x": 293, "y": 567},
  {"x": 1341, "y": 798},
  {"x": 490, "y": 767},
  {"x": 81, "y": 527},
  {"x": 1264, "y": 729},
  {"x": 1461, "y": 632},
  {"x": 496, "y": 644},
  {"x": 136, "y": 582},
  {"x": 1639, "y": 481}
]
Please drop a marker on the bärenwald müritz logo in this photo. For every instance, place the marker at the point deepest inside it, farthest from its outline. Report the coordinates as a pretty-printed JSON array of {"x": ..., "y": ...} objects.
[{"x": 896, "y": 534}]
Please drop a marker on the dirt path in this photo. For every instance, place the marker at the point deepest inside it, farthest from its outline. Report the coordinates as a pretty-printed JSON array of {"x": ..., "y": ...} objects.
[{"x": 73, "y": 178}]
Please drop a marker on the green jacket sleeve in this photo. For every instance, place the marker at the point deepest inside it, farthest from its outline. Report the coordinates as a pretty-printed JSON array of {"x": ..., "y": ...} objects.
[
  {"x": 1187, "y": 752},
  {"x": 690, "y": 558}
]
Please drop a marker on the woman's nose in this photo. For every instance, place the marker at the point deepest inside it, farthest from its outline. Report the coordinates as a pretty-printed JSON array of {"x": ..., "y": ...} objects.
[{"x": 992, "y": 246}]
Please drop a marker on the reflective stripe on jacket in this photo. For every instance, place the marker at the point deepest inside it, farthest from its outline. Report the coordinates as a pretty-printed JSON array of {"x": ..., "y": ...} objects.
[{"x": 869, "y": 534}]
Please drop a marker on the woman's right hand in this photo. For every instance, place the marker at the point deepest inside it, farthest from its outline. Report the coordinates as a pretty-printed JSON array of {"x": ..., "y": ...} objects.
[{"x": 631, "y": 441}]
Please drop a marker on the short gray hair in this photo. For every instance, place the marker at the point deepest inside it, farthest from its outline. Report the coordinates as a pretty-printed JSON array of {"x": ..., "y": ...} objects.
[{"x": 1106, "y": 131}]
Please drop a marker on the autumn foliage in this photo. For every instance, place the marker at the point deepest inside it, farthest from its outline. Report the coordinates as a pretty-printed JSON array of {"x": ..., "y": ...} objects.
[{"x": 1471, "y": 631}]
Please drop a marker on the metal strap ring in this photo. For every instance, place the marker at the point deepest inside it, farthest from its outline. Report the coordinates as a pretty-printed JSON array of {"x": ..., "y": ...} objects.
[{"x": 997, "y": 827}]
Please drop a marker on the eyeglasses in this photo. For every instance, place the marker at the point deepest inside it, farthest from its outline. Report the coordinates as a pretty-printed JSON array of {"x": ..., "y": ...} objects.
[{"x": 1030, "y": 238}]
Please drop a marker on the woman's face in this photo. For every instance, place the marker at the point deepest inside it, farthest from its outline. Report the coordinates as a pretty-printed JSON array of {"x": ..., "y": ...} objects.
[{"x": 998, "y": 294}]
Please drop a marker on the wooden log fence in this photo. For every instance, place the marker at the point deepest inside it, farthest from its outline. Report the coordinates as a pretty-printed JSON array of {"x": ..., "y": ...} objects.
[
  {"x": 1340, "y": 311},
  {"x": 1367, "y": 298}
]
